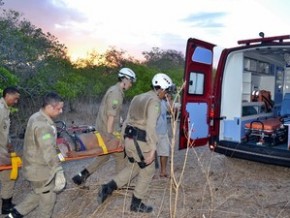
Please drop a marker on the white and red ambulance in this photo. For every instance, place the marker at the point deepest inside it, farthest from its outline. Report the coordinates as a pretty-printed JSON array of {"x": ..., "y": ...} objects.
[{"x": 242, "y": 110}]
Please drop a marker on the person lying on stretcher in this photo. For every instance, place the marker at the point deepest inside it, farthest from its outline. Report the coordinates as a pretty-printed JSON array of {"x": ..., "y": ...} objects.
[{"x": 87, "y": 144}]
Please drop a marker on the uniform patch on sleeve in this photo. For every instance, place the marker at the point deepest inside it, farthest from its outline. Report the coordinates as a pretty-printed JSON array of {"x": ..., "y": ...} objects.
[
  {"x": 157, "y": 108},
  {"x": 46, "y": 136},
  {"x": 115, "y": 103}
]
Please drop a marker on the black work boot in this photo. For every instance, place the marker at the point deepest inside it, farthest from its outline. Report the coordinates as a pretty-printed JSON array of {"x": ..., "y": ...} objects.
[
  {"x": 138, "y": 206},
  {"x": 14, "y": 214},
  {"x": 106, "y": 190},
  {"x": 81, "y": 177},
  {"x": 7, "y": 205}
]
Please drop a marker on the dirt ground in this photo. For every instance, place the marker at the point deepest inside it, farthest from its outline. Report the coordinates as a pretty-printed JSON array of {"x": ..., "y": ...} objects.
[{"x": 211, "y": 186}]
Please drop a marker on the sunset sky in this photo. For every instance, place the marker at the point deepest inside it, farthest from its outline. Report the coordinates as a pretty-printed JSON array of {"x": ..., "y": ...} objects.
[{"x": 135, "y": 26}]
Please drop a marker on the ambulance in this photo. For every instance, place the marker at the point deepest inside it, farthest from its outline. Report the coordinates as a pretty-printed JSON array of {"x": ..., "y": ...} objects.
[{"x": 242, "y": 108}]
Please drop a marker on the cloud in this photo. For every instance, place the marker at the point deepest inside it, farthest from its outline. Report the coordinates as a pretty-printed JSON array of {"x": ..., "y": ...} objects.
[
  {"x": 46, "y": 14},
  {"x": 207, "y": 20},
  {"x": 83, "y": 25}
]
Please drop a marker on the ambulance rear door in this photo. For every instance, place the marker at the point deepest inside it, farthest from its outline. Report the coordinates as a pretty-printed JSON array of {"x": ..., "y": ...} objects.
[{"x": 196, "y": 98}]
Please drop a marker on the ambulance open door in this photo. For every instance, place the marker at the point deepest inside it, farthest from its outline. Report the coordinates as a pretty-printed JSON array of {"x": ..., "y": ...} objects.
[{"x": 196, "y": 96}]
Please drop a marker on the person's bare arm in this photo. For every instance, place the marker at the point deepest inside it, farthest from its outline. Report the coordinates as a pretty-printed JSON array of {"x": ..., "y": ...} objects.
[{"x": 110, "y": 124}]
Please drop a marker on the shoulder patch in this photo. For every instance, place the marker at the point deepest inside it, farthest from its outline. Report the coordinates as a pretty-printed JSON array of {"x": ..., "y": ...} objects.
[
  {"x": 115, "y": 102},
  {"x": 46, "y": 136},
  {"x": 157, "y": 108}
]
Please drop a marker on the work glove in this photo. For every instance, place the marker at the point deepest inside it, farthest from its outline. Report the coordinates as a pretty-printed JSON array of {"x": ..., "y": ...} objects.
[{"x": 59, "y": 181}]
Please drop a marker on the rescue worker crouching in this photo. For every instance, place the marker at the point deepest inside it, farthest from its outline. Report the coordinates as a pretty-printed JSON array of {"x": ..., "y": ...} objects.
[{"x": 140, "y": 139}]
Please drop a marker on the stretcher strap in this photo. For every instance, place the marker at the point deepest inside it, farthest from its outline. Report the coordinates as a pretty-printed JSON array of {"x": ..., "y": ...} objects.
[
  {"x": 117, "y": 134},
  {"x": 102, "y": 143},
  {"x": 15, "y": 162}
]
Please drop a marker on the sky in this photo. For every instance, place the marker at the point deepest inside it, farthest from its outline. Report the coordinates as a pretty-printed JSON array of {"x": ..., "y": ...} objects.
[{"x": 135, "y": 26}]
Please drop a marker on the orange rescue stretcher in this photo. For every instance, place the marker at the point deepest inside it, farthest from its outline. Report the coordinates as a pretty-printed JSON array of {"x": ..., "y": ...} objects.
[
  {"x": 63, "y": 143},
  {"x": 87, "y": 145},
  {"x": 119, "y": 149},
  {"x": 79, "y": 138},
  {"x": 271, "y": 129}
]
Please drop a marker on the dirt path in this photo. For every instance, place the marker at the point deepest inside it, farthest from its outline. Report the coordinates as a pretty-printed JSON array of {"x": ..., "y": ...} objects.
[{"x": 212, "y": 186}]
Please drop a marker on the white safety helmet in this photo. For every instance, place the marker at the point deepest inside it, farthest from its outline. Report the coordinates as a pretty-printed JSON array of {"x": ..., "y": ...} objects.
[
  {"x": 127, "y": 73},
  {"x": 162, "y": 80}
]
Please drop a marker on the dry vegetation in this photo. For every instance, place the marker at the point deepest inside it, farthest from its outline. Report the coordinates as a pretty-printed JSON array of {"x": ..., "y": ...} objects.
[{"x": 211, "y": 186}]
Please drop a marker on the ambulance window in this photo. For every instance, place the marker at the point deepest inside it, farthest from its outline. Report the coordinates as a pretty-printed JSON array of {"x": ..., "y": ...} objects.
[
  {"x": 202, "y": 55},
  {"x": 196, "y": 83}
]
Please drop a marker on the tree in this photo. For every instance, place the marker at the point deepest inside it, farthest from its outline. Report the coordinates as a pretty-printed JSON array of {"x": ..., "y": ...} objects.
[
  {"x": 39, "y": 63},
  {"x": 7, "y": 78},
  {"x": 169, "y": 61},
  {"x": 112, "y": 58},
  {"x": 53, "y": 71},
  {"x": 25, "y": 50},
  {"x": 163, "y": 59},
  {"x": 70, "y": 87}
]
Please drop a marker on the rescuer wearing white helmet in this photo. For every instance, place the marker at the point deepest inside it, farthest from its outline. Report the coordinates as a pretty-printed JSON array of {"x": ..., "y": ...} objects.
[
  {"x": 108, "y": 123},
  {"x": 161, "y": 80},
  {"x": 127, "y": 73},
  {"x": 140, "y": 139}
]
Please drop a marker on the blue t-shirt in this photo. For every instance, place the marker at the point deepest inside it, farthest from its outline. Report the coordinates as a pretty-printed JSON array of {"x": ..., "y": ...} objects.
[{"x": 161, "y": 125}]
